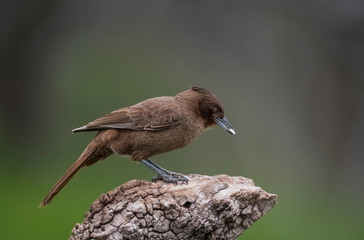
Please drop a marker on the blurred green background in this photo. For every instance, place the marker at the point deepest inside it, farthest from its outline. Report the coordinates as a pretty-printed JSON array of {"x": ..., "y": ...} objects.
[{"x": 289, "y": 73}]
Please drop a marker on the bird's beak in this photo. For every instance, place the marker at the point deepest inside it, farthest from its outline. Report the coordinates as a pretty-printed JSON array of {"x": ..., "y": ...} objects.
[{"x": 225, "y": 124}]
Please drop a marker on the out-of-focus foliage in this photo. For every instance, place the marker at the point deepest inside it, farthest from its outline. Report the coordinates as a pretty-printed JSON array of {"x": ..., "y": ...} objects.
[{"x": 289, "y": 73}]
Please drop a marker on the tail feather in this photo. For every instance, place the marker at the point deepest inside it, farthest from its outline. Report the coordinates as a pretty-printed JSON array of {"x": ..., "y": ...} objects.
[{"x": 87, "y": 158}]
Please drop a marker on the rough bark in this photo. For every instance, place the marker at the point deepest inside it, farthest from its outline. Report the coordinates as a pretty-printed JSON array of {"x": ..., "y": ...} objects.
[{"x": 217, "y": 207}]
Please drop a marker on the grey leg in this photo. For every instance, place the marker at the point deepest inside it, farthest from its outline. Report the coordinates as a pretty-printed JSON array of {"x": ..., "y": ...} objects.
[{"x": 164, "y": 174}]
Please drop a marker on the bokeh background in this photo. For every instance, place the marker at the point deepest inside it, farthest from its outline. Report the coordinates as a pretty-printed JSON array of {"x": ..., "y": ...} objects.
[{"x": 289, "y": 73}]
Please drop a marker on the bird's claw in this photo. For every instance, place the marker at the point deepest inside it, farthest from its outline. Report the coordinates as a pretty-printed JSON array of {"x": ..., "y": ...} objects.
[{"x": 172, "y": 177}]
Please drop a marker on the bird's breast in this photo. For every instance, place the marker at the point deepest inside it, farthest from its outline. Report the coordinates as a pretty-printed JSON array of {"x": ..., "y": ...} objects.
[{"x": 144, "y": 144}]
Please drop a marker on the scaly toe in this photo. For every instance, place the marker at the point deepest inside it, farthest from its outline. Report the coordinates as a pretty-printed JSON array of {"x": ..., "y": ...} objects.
[
  {"x": 156, "y": 178},
  {"x": 181, "y": 177},
  {"x": 173, "y": 178}
]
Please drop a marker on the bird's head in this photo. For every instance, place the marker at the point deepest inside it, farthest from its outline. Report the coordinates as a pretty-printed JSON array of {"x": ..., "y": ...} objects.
[{"x": 210, "y": 109}]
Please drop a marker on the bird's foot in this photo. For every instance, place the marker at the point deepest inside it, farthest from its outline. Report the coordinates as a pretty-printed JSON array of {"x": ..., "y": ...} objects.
[
  {"x": 172, "y": 177},
  {"x": 164, "y": 174}
]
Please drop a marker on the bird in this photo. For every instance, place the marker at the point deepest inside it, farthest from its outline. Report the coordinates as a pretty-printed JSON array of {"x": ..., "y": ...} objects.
[{"x": 153, "y": 126}]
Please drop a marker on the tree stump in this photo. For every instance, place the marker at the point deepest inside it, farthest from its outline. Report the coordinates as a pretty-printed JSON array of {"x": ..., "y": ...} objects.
[{"x": 217, "y": 207}]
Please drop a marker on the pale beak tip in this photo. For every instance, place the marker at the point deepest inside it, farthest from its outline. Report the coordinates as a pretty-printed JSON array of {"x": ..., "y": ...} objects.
[{"x": 232, "y": 131}]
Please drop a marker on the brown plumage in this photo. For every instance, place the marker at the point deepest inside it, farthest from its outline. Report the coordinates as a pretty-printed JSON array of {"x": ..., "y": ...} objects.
[{"x": 151, "y": 127}]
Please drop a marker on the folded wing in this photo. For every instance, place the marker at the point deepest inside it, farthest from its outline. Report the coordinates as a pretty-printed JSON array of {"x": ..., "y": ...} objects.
[{"x": 154, "y": 114}]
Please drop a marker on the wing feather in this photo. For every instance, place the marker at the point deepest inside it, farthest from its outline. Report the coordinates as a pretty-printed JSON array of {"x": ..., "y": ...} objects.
[{"x": 155, "y": 114}]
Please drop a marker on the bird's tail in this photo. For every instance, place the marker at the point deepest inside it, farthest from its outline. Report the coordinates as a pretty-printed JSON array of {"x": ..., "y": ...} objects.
[{"x": 88, "y": 157}]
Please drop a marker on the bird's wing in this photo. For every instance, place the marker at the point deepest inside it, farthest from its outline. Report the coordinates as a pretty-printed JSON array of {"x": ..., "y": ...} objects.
[{"x": 154, "y": 114}]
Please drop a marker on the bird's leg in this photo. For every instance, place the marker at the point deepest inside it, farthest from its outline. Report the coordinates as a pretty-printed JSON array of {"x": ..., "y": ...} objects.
[{"x": 164, "y": 174}]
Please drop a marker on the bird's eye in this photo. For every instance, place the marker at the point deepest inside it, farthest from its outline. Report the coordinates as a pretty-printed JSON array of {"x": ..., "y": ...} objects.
[{"x": 215, "y": 110}]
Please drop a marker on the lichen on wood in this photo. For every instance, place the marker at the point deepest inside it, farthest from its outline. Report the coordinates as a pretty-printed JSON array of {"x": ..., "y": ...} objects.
[{"x": 217, "y": 207}]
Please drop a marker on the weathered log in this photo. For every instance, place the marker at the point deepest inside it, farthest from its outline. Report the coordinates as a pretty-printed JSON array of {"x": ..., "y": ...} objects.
[{"x": 217, "y": 207}]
